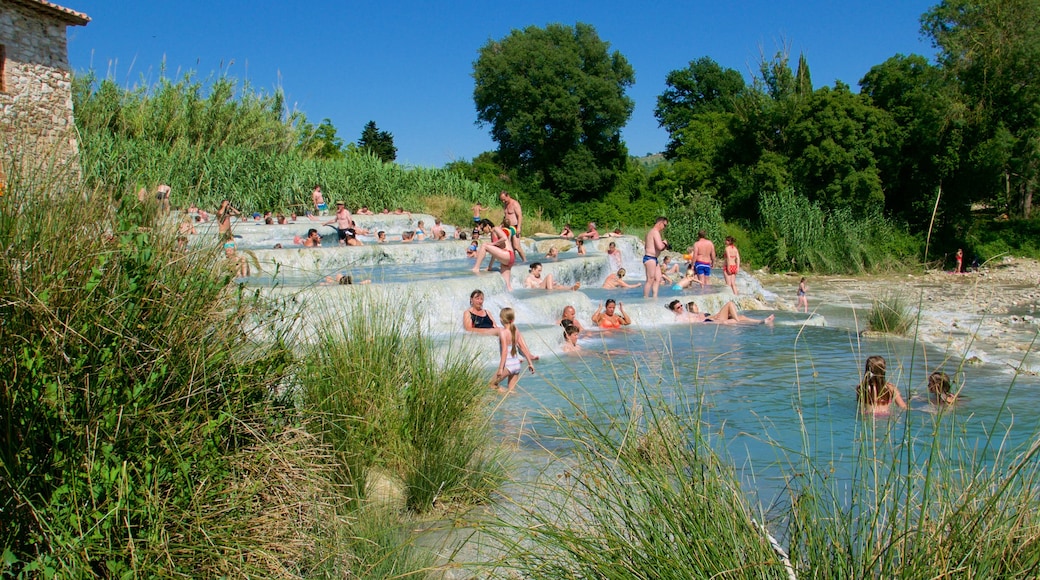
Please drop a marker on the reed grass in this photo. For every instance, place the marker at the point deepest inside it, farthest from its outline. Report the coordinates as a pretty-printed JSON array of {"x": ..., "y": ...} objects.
[
  {"x": 800, "y": 235},
  {"x": 891, "y": 314},
  {"x": 381, "y": 396}
]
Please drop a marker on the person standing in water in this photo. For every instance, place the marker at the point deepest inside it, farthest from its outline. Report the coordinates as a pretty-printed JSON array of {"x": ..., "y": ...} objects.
[
  {"x": 703, "y": 258},
  {"x": 511, "y": 347},
  {"x": 655, "y": 244},
  {"x": 803, "y": 297},
  {"x": 514, "y": 218},
  {"x": 731, "y": 263}
]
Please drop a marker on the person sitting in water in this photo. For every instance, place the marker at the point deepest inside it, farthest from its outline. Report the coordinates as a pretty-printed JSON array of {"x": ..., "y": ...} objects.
[
  {"x": 352, "y": 239},
  {"x": 939, "y": 387},
  {"x": 471, "y": 250},
  {"x": 874, "y": 393},
  {"x": 313, "y": 239},
  {"x": 728, "y": 314},
  {"x": 668, "y": 269},
  {"x": 552, "y": 254},
  {"x": 570, "y": 339},
  {"x": 616, "y": 280},
  {"x": 535, "y": 280},
  {"x": 580, "y": 244},
  {"x": 567, "y": 232},
  {"x": 686, "y": 281},
  {"x": 475, "y": 318},
  {"x": 420, "y": 231},
  {"x": 611, "y": 315},
  {"x": 569, "y": 318},
  {"x": 407, "y": 237},
  {"x": 381, "y": 237},
  {"x": 437, "y": 231},
  {"x": 590, "y": 233}
]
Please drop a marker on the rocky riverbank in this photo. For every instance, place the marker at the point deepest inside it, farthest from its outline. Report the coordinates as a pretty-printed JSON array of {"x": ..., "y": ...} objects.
[{"x": 992, "y": 315}]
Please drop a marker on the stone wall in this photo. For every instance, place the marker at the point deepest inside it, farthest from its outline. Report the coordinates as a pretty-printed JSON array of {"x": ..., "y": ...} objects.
[{"x": 36, "y": 123}]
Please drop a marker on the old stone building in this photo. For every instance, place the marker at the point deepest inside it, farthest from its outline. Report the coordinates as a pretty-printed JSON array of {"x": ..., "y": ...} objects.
[{"x": 36, "y": 124}]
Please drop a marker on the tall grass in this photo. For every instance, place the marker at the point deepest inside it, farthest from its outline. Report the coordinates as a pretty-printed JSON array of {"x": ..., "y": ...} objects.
[
  {"x": 382, "y": 397},
  {"x": 135, "y": 423},
  {"x": 891, "y": 314},
  {"x": 799, "y": 234},
  {"x": 211, "y": 141}
]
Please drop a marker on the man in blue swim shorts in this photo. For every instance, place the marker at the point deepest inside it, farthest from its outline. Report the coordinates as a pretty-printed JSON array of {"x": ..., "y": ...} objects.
[
  {"x": 703, "y": 258},
  {"x": 655, "y": 244}
]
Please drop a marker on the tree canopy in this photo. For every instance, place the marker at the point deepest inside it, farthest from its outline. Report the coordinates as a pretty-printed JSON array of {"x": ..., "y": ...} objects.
[
  {"x": 379, "y": 143},
  {"x": 554, "y": 99}
]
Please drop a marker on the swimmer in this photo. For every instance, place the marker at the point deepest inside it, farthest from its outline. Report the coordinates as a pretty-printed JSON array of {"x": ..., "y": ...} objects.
[
  {"x": 512, "y": 345},
  {"x": 731, "y": 263},
  {"x": 654, "y": 245},
  {"x": 343, "y": 280},
  {"x": 803, "y": 297},
  {"x": 611, "y": 315},
  {"x": 728, "y": 314},
  {"x": 616, "y": 280},
  {"x": 570, "y": 339},
  {"x": 874, "y": 393},
  {"x": 614, "y": 256},
  {"x": 703, "y": 252},
  {"x": 569, "y": 318},
  {"x": 535, "y": 280},
  {"x": 475, "y": 318},
  {"x": 500, "y": 248},
  {"x": 939, "y": 388}
]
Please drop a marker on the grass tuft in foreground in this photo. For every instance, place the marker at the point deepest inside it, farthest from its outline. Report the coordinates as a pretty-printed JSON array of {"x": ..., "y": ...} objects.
[
  {"x": 890, "y": 314},
  {"x": 381, "y": 397}
]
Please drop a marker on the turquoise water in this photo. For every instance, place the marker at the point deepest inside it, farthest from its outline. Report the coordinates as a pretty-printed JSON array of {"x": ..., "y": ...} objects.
[{"x": 769, "y": 393}]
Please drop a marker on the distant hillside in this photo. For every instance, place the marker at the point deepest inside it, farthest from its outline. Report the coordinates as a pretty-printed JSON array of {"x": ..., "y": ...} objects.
[{"x": 651, "y": 161}]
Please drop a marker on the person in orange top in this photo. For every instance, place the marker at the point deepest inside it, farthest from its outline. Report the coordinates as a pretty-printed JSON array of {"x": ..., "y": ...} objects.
[{"x": 611, "y": 315}]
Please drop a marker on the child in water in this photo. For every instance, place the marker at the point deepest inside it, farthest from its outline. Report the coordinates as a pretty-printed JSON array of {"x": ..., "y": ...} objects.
[
  {"x": 512, "y": 346},
  {"x": 874, "y": 393},
  {"x": 939, "y": 388}
]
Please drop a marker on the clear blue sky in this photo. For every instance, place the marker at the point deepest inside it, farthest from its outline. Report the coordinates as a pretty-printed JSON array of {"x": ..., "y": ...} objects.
[{"x": 408, "y": 65}]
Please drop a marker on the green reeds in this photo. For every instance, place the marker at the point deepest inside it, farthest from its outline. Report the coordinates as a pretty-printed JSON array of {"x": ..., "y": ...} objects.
[
  {"x": 890, "y": 314},
  {"x": 381, "y": 396}
]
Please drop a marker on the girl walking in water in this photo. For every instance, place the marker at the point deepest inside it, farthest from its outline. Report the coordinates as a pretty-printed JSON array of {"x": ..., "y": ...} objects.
[{"x": 512, "y": 345}]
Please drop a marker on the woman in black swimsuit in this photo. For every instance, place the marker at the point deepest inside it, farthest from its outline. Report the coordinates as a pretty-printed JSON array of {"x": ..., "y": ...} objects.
[{"x": 475, "y": 318}]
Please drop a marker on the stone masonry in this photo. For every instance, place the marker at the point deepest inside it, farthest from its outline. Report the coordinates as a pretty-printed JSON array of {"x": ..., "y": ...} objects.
[{"x": 36, "y": 124}]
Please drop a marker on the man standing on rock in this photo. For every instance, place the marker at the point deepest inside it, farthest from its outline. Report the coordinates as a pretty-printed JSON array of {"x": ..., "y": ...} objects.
[
  {"x": 655, "y": 244},
  {"x": 514, "y": 218}
]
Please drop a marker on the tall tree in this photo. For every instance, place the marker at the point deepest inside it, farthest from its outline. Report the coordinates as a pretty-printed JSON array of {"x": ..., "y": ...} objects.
[
  {"x": 379, "y": 143},
  {"x": 702, "y": 87},
  {"x": 324, "y": 144},
  {"x": 992, "y": 48},
  {"x": 555, "y": 101}
]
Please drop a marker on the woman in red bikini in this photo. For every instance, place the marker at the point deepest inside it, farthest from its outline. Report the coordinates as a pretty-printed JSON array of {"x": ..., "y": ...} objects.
[
  {"x": 501, "y": 249},
  {"x": 731, "y": 257}
]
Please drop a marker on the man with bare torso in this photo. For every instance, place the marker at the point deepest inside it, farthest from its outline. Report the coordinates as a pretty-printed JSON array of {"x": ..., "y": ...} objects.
[
  {"x": 344, "y": 222},
  {"x": 703, "y": 258},
  {"x": 514, "y": 218},
  {"x": 655, "y": 244}
]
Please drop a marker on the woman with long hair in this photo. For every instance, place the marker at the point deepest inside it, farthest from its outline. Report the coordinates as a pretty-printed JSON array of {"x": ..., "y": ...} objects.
[{"x": 874, "y": 393}]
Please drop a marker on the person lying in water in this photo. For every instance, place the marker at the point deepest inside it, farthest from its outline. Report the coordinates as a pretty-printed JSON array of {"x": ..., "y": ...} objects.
[
  {"x": 535, "y": 280},
  {"x": 728, "y": 314},
  {"x": 343, "y": 279}
]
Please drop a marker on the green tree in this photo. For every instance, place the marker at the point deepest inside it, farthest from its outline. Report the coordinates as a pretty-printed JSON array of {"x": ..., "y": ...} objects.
[
  {"x": 700, "y": 88},
  {"x": 323, "y": 142},
  {"x": 379, "y": 143},
  {"x": 924, "y": 142},
  {"x": 555, "y": 102},
  {"x": 992, "y": 49},
  {"x": 832, "y": 145}
]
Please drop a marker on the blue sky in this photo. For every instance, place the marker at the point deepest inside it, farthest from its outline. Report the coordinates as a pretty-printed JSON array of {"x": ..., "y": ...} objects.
[{"x": 408, "y": 65}]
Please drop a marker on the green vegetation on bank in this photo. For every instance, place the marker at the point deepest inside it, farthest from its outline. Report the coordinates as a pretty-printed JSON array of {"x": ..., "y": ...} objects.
[{"x": 146, "y": 430}]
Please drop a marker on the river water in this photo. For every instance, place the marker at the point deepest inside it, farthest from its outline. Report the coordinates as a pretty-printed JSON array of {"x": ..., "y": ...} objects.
[{"x": 770, "y": 393}]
